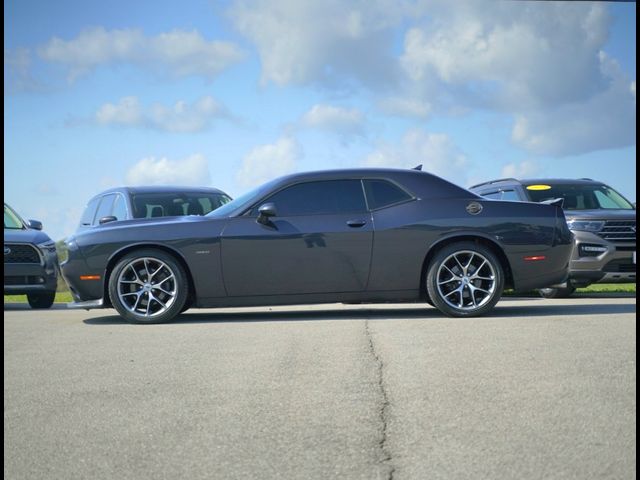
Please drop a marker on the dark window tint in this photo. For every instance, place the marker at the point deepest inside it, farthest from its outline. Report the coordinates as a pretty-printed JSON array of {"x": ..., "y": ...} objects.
[
  {"x": 316, "y": 198},
  {"x": 104, "y": 209},
  {"x": 146, "y": 205},
  {"x": 381, "y": 193},
  {"x": 89, "y": 213},
  {"x": 119, "y": 208}
]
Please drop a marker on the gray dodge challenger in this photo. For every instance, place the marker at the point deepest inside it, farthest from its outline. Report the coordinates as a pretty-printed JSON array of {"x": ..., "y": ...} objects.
[{"x": 351, "y": 236}]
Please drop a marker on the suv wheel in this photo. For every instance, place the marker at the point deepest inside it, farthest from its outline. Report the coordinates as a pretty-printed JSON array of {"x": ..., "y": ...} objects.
[
  {"x": 41, "y": 300},
  {"x": 464, "y": 280},
  {"x": 557, "y": 292},
  {"x": 148, "y": 286}
]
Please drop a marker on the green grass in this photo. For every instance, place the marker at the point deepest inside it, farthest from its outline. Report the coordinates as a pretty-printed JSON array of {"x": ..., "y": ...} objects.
[{"x": 61, "y": 297}]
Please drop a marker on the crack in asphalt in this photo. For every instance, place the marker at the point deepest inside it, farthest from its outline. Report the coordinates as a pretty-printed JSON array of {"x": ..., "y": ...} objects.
[{"x": 386, "y": 457}]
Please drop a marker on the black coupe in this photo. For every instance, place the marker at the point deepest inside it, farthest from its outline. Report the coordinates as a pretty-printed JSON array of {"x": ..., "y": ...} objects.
[{"x": 365, "y": 235}]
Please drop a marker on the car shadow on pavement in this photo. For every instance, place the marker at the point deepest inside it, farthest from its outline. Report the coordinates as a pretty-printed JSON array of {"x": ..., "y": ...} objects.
[
  {"x": 15, "y": 307},
  {"x": 419, "y": 312}
]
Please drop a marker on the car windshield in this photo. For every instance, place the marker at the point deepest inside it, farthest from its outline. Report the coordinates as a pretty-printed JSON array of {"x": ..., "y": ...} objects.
[
  {"x": 580, "y": 197},
  {"x": 147, "y": 205},
  {"x": 11, "y": 220},
  {"x": 245, "y": 200}
]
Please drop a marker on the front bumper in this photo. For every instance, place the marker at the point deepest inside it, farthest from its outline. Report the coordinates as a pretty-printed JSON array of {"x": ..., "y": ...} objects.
[
  {"x": 24, "y": 278},
  {"x": 617, "y": 264}
]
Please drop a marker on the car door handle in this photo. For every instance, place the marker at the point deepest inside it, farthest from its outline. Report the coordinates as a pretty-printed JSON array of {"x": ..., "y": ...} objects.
[{"x": 356, "y": 223}]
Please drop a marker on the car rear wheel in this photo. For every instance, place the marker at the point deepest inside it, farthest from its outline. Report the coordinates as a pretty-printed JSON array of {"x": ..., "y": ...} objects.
[
  {"x": 464, "y": 280},
  {"x": 41, "y": 300},
  {"x": 557, "y": 292},
  {"x": 148, "y": 286}
]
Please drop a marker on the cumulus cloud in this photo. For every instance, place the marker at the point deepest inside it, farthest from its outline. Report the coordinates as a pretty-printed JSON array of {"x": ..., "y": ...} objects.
[
  {"x": 435, "y": 151},
  {"x": 405, "y": 107},
  {"x": 328, "y": 42},
  {"x": 269, "y": 161},
  {"x": 180, "y": 117},
  {"x": 511, "y": 54},
  {"x": 343, "y": 121},
  {"x": 523, "y": 169},
  {"x": 606, "y": 120},
  {"x": 17, "y": 71},
  {"x": 193, "y": 170},
  {"x": 176, "y": 53}
]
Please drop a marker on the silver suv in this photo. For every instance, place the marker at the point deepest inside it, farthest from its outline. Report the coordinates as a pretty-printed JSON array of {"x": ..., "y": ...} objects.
[{"x": 603, "y": 223}]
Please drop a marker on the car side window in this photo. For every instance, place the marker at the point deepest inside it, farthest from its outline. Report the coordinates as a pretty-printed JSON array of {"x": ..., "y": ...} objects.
[
  {"x": 381, "y": 193},
  {"x": 119, "y": 208},
  {"x": 104, "y": 209},
  {"x": 89, "y": 213},
  {"x": 318, "y": 198}
]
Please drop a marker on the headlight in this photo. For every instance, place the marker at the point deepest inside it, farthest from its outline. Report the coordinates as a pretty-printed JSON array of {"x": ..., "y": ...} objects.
[
  {"x": 585, "y": 225},
  {"x": 48, "y": 247}
]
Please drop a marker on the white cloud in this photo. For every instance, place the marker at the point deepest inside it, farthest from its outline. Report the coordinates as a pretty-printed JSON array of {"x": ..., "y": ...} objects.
[
  {"x": 193, "y": 170},
  {"x": 435, "y": 151},
  {"x": 343, "y": 121},
  {"x": 176, "y": 53},
  {"x": 266, "y": 162},
  {"x": 181, "y": 117},
  {"x": 327, "y": 42},
  {"x": 17, "y": 71},
  {"x": 606, "y": 120},
  {"x": 405, "y": 107},
  {"x": 511, "y": 55},
  {"x": 523, "y": 169}
]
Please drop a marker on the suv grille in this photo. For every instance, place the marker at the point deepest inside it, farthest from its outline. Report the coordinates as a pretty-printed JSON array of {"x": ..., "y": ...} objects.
[
  {"x": 619, "y": 231},
  {"x": 19, "y": 253}
]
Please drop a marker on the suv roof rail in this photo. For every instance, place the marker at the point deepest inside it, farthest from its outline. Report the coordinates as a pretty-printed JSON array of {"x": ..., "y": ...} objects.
[
  {"x": 418, "y": 167},
  {"x": 495, "y": 181}
]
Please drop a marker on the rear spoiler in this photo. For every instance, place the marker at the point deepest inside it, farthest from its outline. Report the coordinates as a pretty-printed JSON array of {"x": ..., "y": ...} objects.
[{"x": 558, "y": 202}]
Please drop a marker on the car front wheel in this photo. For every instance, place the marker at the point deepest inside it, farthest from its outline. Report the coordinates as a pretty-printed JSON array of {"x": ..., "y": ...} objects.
[
  {"x": 41, "y": 300},
  {"x": 464, "y": 280},
  {"x": 148, "y": 286}
]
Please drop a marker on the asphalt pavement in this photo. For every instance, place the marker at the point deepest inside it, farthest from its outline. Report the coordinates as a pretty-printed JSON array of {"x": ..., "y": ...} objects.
[{"x": 541, "y": 389}]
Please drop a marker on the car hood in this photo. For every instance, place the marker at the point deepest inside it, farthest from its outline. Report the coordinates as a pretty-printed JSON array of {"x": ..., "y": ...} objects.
[
  {"x": 25, "y": 236},
  {"x": 600, "y": 214}
]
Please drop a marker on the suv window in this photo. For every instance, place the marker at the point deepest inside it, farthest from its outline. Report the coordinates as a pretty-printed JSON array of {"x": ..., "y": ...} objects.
[
  {"x": 11, "y": 219},
  {"x": 317, "y": 198},
  {"x": 147, "y": 205},
  {"x": 495, "y": 195},
  {"x": 510, "y": 195},
  {"x": 381, "y": 193},
  {"x": 89, "y": 212},
  {"x": 582, "y": 197}
]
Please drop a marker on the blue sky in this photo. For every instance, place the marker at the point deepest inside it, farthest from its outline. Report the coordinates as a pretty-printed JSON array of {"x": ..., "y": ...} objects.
[{"x": 234, "y": 93}]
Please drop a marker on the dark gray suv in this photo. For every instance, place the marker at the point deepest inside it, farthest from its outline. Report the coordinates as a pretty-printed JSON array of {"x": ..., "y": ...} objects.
[
  {"x": 603, "y": 223},
  {"x": 30, "y": 260}
]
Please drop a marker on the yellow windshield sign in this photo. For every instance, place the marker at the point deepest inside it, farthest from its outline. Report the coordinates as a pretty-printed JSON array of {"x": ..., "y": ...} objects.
[{"x": 539, "y": 187}]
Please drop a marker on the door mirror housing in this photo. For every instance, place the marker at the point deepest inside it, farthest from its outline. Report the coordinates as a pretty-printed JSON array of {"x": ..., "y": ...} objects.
[
  {"x": 107, "y": 219},
  {"x": 265, "y": 212},
  {"x": 34, "y": 224}
]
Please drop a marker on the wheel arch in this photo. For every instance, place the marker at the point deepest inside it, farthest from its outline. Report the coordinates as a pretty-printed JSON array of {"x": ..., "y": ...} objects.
[
  {"x": 115, "y": 258},
  {"x": 493, "y": 246}
]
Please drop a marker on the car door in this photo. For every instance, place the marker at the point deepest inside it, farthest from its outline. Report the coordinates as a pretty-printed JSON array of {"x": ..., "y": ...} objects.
[{"x": 319, "y": 241}]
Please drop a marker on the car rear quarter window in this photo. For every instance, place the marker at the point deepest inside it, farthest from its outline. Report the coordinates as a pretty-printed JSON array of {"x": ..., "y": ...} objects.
[
  {"x": 318, "y": 198},
  {"x": 119, "y": 208},
  {"x": 381, "y": 193}
]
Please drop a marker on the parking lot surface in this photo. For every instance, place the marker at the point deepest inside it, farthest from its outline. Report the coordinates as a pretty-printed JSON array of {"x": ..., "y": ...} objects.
[{"x": 539, "y": 389}]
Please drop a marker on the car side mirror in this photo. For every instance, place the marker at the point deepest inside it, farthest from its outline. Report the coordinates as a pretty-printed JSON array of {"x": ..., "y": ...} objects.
[
  {"x": 34, "y": 224},
  {"x": 107, "y": 219},
  {"x": 265, "y": 212}
]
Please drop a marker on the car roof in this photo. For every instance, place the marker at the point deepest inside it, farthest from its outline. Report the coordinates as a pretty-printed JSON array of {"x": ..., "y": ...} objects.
[
  {"x": 161, "y": 189},
  {"x": 536, "y": 181}
]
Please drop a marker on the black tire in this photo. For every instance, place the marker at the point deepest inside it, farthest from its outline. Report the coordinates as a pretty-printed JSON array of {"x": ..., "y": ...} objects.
[
  {"x": 557, "y": 292},
  {"x": 41, "y": 300},
  {"x": 464, "y": 279},
  {"x": 148, "y": 286}
]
